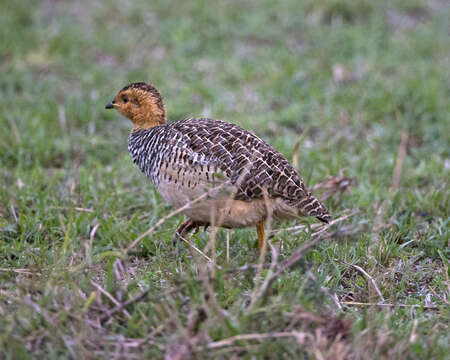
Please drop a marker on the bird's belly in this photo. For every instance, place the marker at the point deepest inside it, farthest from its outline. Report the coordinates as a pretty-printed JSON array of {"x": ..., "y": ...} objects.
[
  {"x": 228, "y": 213},
  {"x": 221, "y": 210}
]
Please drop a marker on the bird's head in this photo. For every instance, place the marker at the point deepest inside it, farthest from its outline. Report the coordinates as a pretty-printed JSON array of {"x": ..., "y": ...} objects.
[{"x": 141, "y": 103}]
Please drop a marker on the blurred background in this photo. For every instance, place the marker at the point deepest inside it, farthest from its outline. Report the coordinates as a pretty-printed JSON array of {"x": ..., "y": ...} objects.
[
  {"x": 345, "y": 70},
  {"x": 362, "y": 87}
]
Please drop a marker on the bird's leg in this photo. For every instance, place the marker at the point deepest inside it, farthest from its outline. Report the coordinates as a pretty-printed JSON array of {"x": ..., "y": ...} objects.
[
  {"x": 261, "y": 236},
  {"x": 186, "y": 227}
]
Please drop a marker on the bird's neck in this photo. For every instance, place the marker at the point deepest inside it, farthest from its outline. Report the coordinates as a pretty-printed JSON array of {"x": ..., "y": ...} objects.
[
  {"x": 148, "y": 116},
  {"x": 145, "y": 121}
]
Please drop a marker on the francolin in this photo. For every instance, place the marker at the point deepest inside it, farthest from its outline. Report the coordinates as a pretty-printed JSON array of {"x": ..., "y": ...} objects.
[{"x": 246, "y": 180}]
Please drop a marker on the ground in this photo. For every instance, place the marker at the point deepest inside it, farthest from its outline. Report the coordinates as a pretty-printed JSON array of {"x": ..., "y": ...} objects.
[{"x": 356, "y": 94}]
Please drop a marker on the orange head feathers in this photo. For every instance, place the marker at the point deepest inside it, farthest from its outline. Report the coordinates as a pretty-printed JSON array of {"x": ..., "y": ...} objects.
[{"x": 142, "y": 104}]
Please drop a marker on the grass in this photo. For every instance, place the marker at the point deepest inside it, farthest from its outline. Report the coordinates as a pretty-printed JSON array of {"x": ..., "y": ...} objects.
[{"x": 347, "y": 78}]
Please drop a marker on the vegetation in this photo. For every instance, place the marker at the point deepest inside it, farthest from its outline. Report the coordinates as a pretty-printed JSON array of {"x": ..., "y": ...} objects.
[{"x": 362, "y": 87}]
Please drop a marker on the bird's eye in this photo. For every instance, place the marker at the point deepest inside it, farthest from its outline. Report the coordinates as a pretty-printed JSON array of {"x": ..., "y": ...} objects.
[{"x": 124, "y": 99}]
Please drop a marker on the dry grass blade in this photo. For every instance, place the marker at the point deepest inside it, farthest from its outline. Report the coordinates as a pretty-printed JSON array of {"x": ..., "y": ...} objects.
[
  {"x": 296, "y": 151},
  {"x": 448, "y": 281},
  {"x": 93, "y": 232},
  {"x": 401, "y": 154},
  {"x": 295, "y": 156},
  {"x": 122, "y": 306},
  {"x": 110, "y": 297},
  {"x": 212, "y": 245},
  {"x": 21, "y": 271},
  {"x": 76, "y": 208},
  {"x": 14, "y": 214},
  {"x": 360, "y": 269},
  {"x": 245, "y": 267},
  {"x": 321, "y": 227},
  {"x": 335, "y": 299},
  {"x": 333, "y": 185},
  {"x": 355, "y": 303},
  {"x": 142, "y": 295},
  {"x": 195, "y": 248},
  {"x": 259, "y": 291},
  {"x": 274, "y": 335},
  {"x": 89, "y": 244},
  {"x": 228, "y": 247},
  {"x": 294, "y": 258},
  {"x": 156, "y": 331}
]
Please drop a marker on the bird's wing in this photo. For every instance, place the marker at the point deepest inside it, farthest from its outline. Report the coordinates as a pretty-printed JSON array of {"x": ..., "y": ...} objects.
[{"x": 241, "y": 158}]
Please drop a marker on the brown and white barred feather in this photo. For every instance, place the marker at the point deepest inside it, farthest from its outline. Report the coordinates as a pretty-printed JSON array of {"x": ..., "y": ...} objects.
[{"x": 197, "y": 154}]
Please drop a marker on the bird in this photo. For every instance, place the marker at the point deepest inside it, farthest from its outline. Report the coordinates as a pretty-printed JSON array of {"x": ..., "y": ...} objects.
[{"x": 218, "y": 173}]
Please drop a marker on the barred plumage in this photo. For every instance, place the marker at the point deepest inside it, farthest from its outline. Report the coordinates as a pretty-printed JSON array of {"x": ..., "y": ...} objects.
[
  {"x": 185, "y": 159},
  {"x": 190, "y": 154}
]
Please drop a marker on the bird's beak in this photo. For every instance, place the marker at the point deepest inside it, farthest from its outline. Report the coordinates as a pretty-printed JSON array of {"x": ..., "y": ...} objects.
[{"x": 110, "y": 105}]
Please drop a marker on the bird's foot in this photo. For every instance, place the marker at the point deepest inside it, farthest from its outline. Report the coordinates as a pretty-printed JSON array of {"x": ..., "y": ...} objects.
[{"x": 185, "y": 228}]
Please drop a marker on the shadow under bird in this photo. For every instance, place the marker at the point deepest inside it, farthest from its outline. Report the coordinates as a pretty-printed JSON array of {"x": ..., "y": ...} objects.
[{"x": 246, "y": 180}]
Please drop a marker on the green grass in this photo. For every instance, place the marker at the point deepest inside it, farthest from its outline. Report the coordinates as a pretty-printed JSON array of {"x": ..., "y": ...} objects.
[{"x": 348, "y": 77}]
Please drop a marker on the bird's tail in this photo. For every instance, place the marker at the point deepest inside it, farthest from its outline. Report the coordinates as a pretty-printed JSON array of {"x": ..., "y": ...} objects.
[{"x": 311, "y": 206}]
